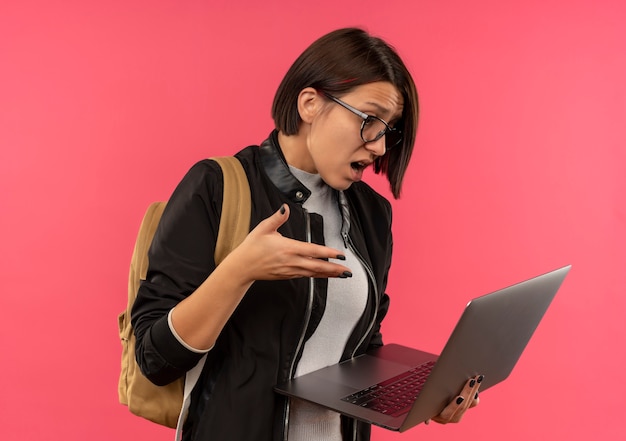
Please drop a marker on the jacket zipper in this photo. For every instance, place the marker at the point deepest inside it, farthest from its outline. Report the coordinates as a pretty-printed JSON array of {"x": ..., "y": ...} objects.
[
  {"x": 347, "y": 241},
  {"x": 309, "y": 309},
  {"x": 370, "y": 273},
  {"x": 345, "y": 228}
]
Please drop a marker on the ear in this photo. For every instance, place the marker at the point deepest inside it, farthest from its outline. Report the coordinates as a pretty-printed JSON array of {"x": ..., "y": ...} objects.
[{"x": 310, "y": 103}]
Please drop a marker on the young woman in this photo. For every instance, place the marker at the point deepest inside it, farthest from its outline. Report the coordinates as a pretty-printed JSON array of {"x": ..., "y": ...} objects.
[{"x": 306, "y": 288}]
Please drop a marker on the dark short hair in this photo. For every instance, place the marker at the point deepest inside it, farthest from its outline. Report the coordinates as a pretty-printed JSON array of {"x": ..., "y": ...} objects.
[{"x": 335, "y": 64}]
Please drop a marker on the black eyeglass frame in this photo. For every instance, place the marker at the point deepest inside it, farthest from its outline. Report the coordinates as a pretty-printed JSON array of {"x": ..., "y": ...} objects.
[{"x": 366, "y": 118}]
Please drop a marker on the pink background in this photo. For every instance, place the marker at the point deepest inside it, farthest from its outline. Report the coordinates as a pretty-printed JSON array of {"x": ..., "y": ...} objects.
[{"x": 519, "y": 169}]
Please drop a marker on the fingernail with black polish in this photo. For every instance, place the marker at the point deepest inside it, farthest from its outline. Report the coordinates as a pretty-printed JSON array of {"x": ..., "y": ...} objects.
[
  {"x": 282, "y": 209},
  {"x": 346, "y": 274},
  {"x": 480, "y": 379},
  {"x": 476, "y": 396},
  {"x": 459, "y": 400},
  {"x": 341, "y": 257},
  {"x": 472, "y": 383}
]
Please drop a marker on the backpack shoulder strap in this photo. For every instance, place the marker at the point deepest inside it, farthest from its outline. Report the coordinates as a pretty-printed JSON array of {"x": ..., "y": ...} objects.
[
  {"x": 233, "y": 229},
  {"x": 146, "y": 233},
  {"x": 236, "y": 207}
]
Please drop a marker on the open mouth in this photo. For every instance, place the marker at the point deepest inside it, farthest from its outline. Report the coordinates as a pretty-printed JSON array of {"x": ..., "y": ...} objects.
[{"x": 358, "y": 166}]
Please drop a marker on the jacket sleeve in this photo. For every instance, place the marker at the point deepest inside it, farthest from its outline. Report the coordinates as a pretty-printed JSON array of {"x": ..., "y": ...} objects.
[{"x": 180, "y": 259}]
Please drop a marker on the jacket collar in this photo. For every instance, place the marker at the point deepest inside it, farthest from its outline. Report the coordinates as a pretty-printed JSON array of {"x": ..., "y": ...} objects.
[{"x": 277, "y": 170}]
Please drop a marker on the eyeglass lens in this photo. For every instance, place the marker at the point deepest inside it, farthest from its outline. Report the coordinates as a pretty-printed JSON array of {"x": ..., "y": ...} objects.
[{"x": 373, "y": 129}]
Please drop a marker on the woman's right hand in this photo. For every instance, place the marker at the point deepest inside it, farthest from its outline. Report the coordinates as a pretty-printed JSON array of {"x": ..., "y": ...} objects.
[{"x": 265, "y": 254}]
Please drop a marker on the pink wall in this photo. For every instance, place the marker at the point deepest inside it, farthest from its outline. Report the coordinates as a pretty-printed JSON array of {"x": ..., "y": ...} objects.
[{"x": 519, "y": 169}]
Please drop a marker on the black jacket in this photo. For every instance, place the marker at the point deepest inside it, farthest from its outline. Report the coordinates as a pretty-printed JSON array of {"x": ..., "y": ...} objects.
[{"x": 263, "y": 340}]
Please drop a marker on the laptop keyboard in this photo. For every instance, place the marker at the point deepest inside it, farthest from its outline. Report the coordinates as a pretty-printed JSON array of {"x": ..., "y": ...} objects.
[{"x": 394, "y": 396}]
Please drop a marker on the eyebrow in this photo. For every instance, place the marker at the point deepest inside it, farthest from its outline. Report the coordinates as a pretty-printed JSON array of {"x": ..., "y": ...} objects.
[{"x": 384, "y": 110}]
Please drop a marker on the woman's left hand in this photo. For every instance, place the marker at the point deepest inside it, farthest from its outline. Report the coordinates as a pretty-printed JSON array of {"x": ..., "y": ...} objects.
[{"x": 467, "y": 398}]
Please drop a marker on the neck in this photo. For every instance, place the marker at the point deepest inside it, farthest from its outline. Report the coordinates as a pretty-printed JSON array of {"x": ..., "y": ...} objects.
[{"x": 294, "y": 148}]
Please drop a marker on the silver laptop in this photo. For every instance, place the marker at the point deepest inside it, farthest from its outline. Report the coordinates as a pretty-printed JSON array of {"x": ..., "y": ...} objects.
[{"x": 488, "y": 340}]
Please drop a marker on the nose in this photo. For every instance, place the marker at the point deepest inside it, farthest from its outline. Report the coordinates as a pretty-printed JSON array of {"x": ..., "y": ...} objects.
[{"x": 377, "y": 147}]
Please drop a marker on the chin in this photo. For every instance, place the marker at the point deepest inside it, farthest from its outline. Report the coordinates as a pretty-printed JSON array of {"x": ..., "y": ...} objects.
[
  {"x": 339, "y": 183},
  {"x": 343, "y": 185}
]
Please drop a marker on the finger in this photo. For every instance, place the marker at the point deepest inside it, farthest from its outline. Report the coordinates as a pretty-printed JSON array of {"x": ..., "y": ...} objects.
[
  {"x": 310, "y": 250},
  {"x": 454, "y": 411},
  {"x": 470, "y": 392},
  {"x": 274, "y": 222},
  {"x": 475, "y": 399},
  {"x": 306, "y": 266},
  {"x": 292, "y": 258},
  {"x": 470, "y": 397}
]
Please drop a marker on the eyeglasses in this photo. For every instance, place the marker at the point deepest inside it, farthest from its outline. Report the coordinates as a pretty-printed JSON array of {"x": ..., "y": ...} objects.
[{"x": 373, "y": 128}]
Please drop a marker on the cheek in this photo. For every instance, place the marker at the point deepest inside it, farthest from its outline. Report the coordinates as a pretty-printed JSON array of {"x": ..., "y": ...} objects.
[
  {"x": 335, "y": 151},
  {"x": 332, "y": 142},
  {"x": 342, "y": 140}
]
